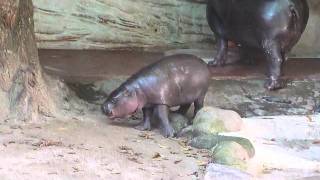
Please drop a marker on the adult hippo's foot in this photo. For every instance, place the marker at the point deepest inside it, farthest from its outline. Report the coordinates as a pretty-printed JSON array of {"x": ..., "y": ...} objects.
[
  {"x": 217, "y": 62},
  {"x": 275, "y": 58},
  {"x": 221, "y": 56},
  {"x": 272, "y": 85}
]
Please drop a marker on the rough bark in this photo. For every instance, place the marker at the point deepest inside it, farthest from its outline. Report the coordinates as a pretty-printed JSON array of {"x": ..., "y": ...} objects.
[{"x": 23, "y": 93}]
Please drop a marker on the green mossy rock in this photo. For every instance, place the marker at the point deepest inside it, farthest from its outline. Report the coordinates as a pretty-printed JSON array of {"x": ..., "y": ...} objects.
[
  {"x": 211, "y": 120},
  {"x": 210, "y": 141},
  {"x": 178, "y": 121},
  {"x": 230, "y": 153}
]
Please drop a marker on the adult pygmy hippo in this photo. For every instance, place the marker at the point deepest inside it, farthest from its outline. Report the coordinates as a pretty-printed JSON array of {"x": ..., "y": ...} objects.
[
  {"x": 177, "y": 80},
  {"x": 270, "y": 26}
]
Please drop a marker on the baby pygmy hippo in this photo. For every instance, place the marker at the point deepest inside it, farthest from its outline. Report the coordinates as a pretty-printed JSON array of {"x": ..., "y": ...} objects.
[{"x": 177, "y": 80}]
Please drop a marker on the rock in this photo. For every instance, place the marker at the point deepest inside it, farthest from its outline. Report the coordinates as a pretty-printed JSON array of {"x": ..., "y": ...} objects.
[
  {"x": 210, "y": 141},
  {"x": 221, "y": 172},
  {"x": 178, "y": 121},
  {"x": 211, "y": 120},
  {"x": 317, "y": 111},
  {"x": 310, "y": 178},
  {"x": 205, "y": 141},
  {"x": 230, "y": 153}
]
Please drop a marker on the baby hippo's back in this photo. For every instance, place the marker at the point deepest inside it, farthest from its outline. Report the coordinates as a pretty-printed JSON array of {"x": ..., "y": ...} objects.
[{"x": 173, "y": 80}]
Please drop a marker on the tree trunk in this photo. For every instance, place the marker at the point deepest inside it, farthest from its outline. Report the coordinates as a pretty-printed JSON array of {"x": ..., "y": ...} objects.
[{"x": 23, "y": 93}]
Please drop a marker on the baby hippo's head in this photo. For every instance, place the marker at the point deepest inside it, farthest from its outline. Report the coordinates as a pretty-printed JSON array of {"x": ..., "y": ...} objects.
[{"x": 121, "y": 103}]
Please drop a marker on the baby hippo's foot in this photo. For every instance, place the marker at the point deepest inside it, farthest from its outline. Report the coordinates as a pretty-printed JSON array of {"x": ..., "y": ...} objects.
[
  {"x": 167, "y": 131},
  {"x": 143, "y": 126},
  {"x": 275, "y": 84}
]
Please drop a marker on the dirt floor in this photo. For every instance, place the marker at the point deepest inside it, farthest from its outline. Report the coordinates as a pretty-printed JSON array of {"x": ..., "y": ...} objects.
[{"x": 94, "y": 148}]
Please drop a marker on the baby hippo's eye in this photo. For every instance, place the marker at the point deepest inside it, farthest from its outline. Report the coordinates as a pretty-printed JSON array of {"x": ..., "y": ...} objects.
[
  {"x": 126, "y": 93},
  {"x": 113, "y": 101}
]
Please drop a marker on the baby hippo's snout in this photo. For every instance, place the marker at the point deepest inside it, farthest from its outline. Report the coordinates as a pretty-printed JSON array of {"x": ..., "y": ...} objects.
[{"x": 106, "y": 110}]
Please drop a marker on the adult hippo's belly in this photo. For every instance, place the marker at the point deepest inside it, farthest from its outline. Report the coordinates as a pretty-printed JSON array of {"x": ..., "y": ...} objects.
[{"x": 270, "y": 26}]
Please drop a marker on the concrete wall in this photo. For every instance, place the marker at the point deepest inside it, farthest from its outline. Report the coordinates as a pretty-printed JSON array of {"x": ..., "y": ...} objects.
[{"x": 150, "y": 24}]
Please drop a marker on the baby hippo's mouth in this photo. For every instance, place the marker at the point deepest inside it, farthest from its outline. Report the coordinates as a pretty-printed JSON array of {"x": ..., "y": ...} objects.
[{"x": 113, "y": 117}]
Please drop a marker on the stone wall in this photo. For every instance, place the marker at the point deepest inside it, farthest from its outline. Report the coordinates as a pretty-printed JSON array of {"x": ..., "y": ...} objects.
[
  {"x": 100, "y": 24},
  {"x": 149, "y": 24}
]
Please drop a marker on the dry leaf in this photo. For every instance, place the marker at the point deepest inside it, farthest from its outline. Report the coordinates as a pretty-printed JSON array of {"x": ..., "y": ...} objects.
[
  {"x": 309, "y": 118},
  {"x": 156, "y": 156},
  {"x": 145, "y": 135},
  {"x": 62, "y": 129},
  {"x": 134, "y": 159},
  {"x": 46, "y": 143},
  {"x": 161, "y": 146},
  {"x": 126, "y": 148},
  {"x": 202, "y": 163},
  {"x": 186, "y": 148},
  {"x": 75, "y": 169},
  {"x": 316, "y": 142},
  {"x": 177, "y": 161},
  {"x": 172, "y": 152}
]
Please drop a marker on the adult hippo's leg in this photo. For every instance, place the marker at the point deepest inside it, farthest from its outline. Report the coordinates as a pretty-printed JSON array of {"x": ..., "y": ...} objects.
[
  {"x": 146, "y": 124},
  {"x": 221, "y": 57},
  {"x": 275, "y": 60},
  {"x": 217, "y": 27},
  {"x": 162, "y": 111}
]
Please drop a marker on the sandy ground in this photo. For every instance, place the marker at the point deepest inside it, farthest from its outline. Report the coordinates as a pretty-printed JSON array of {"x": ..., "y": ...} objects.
[{"x": 93, "y": 149}]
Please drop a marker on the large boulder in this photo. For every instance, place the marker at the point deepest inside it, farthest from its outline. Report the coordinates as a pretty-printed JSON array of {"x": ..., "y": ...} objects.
[
  {"x": 210, "y": 120},
  {"x": 221, "y": 172},
  {"x": 178, "y": 121},
  {"x": 226, "y": 150},
  {"x": 211, "y": 141},
  {"x": 230, "y": 153}
]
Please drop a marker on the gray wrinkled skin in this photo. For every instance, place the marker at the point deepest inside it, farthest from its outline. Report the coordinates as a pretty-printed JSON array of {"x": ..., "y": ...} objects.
[
  {"x": 270, "y": 26},
  {"x": 177, "y": 80}
]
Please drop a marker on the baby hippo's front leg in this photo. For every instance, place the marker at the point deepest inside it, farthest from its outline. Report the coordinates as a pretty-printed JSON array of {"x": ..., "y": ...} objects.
[
  {"x": 146, "y": 124},
  {"x": 162, "y": 111}
]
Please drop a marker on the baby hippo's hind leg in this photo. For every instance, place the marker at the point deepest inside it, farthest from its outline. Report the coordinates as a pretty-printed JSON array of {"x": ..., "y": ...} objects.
[
  {"x": 198, "y": 104},
  {"x": 146, "y": 124},
  {"x": 162, "y": 111},
  {"x": 183, "y": 109}
]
